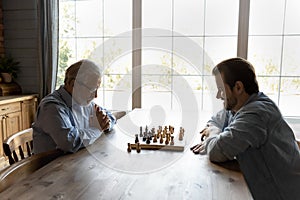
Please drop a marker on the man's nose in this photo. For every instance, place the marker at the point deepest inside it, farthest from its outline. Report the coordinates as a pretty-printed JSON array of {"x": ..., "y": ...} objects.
[{"x": 219, "y": 95}]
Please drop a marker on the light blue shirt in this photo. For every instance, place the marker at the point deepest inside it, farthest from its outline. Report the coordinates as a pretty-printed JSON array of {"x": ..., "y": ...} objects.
[
  {"x": 62, "y": 124},
  {"x": 264, "y": 145}
]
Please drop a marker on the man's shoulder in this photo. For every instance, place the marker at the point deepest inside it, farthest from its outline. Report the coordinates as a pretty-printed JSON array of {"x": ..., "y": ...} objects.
[
  {"x": 52, "y": 99},
  {"x": 260, "y": 101},
  {"x": 261, "y": 106}
]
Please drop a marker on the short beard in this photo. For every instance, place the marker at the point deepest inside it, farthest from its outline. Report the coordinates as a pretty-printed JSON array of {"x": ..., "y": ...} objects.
[{"x": 230, "y": 103}]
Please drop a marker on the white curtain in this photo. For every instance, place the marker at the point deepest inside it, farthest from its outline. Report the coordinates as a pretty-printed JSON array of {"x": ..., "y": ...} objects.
[{"x": 48, "y": 44}]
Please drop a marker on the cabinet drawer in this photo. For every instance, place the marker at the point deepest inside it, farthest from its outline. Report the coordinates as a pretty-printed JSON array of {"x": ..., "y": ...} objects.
[{"x": 9, "y": 108}]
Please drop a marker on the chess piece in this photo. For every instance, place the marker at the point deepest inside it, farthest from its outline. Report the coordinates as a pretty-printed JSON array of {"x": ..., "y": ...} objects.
[
  {"x": 180, "y": 136},
  {"x": 166, "y": 129},
  {"x": 150, "y": 136},
  {"x": 161, "y": 139},
  {"x": 138, "y": 147},
  {"x": 155, "y": 138},
  {"x": 182, "y": 131},
  {"x": 158, "y": 133},
  {"x": 141, "y": 131},
  {"x": 148, "y": 140},
  {"x": 164, "y": 133},
  {"x": 136, "y": 138},
  {"x": 129, "y": 148},
  {"x": 167, "y": 141},
  {"x": 152, "y": 131},
  {"x": 160, "y": 128},
  {"x": 171, "y": 129},
  {"x": 172, "y": 140},
  {"x": 168, "y": 136}
]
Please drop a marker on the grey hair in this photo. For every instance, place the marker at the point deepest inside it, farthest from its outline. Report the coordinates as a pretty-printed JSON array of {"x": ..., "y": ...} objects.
[{"x": 82, "y": 70}]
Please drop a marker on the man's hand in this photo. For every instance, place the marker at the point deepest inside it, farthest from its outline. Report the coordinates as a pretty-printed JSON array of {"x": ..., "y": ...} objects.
[
  {"x": 205, "y": 133},
  {"x": 102, "y": 118},
  {"x": 198, "y": 148}
]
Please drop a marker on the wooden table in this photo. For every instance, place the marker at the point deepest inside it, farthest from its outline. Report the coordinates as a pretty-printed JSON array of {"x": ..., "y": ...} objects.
[{"x": 105, "y": 170}]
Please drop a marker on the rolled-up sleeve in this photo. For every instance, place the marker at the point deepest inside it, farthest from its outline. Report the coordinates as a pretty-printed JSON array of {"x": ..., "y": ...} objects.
[
  {"x": 219, "y": 119},
  {"x": 57, "y": 121}
]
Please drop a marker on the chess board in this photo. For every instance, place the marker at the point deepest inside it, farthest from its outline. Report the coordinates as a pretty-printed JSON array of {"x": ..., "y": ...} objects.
[{"x": 165, "y": 138}]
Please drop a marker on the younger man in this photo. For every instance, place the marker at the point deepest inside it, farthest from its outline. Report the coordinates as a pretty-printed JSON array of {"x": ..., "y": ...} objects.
[{"x": 252, "y": 130}]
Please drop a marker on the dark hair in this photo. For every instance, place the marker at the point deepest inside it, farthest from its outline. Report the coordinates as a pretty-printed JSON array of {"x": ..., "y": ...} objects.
[{"x": 238, "y": 69}]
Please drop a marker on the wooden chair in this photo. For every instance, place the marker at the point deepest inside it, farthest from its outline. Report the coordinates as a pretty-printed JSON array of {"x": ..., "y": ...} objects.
[
  {"x": 22, "y": 169},
  {"x": 16, "y": 145},
  {"x": 298, "y": 142}
]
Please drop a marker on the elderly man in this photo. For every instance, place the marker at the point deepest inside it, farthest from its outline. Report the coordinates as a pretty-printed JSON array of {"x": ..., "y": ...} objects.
[
  {"x": 67, "y": 119},
  {"x": 252, "y": 130}
]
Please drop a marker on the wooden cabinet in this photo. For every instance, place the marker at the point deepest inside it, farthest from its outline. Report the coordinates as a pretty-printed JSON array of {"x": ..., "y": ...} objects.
[
  {"x": 12, "y": 123},
  {"x": 1, "y": 138},
  {"x": 28, "y": 112},
  {"x": 16, "y": 113}
]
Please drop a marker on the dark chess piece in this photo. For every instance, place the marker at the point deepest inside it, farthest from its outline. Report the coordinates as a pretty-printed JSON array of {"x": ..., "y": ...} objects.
[
  {"x": 138, "y": 147},
  {"x": 136, "y": 138},
  {"x": 148, "y": 140},
  {"x": 129, "y": 148},
  {"x": 172, "y": 140}
]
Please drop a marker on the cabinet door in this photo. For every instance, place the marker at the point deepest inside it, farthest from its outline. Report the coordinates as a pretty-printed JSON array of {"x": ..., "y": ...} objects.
[
  {"x": 13, "y": 123},
  {"x": 2, "y": 135},
  {"x": 28, "y": 112}
]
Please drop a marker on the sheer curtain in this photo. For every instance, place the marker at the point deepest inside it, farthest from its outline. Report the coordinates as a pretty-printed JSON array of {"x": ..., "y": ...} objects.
[{"x": 47, "y": 44}]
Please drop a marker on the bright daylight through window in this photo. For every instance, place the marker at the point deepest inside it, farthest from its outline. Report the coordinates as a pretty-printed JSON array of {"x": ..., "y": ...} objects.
[{"x": 102, "y": 29}]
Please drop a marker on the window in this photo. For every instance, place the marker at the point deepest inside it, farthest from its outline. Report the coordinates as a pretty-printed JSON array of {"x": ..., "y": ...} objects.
[
  {"x": 274, "y": 40},
  {"x": 188, "y": 39},
  {"x": 181, "y": 42},
  {"x": 95, "y": 29}
]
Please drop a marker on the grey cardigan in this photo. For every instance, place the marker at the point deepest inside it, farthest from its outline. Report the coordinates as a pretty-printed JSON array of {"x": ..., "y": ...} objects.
[{"x": 264, "y": 145}]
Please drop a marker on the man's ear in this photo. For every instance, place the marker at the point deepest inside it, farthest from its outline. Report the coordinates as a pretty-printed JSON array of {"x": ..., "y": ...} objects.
[
  {"x": 72, "y": 82},
  {"x": 239, "y": 87},
  {"x": 69, "y": 85}
]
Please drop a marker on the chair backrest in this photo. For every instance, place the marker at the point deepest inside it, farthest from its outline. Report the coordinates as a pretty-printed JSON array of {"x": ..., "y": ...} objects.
[
  {"x": 22, "y": 169},
  {"x": 16, "y": 145}
]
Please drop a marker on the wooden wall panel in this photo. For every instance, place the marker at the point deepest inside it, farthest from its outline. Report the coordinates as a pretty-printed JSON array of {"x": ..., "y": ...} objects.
[
  {"x": 21, "y": 40},
  {"x": 1, "y": 31}
]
